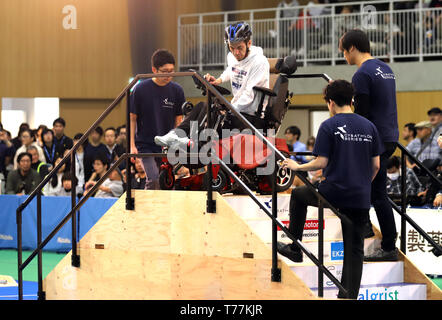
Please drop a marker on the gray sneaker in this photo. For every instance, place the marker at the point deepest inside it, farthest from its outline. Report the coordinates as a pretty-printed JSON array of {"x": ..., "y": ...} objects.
[{"x": 381, "y": 255}]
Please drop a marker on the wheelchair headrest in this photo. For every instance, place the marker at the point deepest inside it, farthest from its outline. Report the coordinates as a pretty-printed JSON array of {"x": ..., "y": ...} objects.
[{"x": 286, "y": 65}]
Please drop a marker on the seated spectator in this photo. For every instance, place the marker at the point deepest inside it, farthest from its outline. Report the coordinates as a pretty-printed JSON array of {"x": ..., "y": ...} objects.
[
  {"x": 50, "y": 149},
  {"x": 66, "y": 186},
  {"x": 113, "y": 150},
  {"x": 41, "y": 167},
  {"x": 112, "y": 187},
  {"x": 121, "y": 137},
  {"x": 53, "y": 187},
  {"x": 139, "y": 179},
  {"x": 6, "y": 154},
  {"x": 100, "y": 165},
  {"x": 394, "y": 182},
  {"x": 17, "y": 140},
  {"x": 93, "y": 149},
  {"x": 79, "y": 163},
  {"x": 435, "y": 118},
  {"x": 292, "y": 135},
  {"x": 61, "y": 141},
  {"x": 310, "y": 144},
  {"x": 39, "y": 134},
  {"x": 27, "y": 139},
  {"x": 425, "y": 148},
  {"x": 409, "y": 133},
  {"x": 24, "y": 179}
]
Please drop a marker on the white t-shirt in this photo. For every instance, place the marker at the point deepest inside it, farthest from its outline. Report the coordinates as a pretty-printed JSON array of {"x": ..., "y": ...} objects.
[{"x": 254, "y": 70}]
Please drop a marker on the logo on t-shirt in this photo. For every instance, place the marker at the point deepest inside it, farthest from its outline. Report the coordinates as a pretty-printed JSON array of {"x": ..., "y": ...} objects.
[
  {"x": 356, "y": 137},
  {"x": 384, "y": 75},
  {"x": 167, "y": 103}
]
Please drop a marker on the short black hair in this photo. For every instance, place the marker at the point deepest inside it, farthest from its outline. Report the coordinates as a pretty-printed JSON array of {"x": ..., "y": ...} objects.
[
  {"x": 411, "y": 127},
  {"x": 393, "y": 162},
  {"x": 355, "y": 38},
  {"x": 434, "y": 110},
  {"x": 60, "y": 121},
  {"x": 66, "y": 176},
  {"x": 294, "y": 130},
  {"x": 24, "y": 154},
  {"x": 103, "y": 159},
  {"x": 111, "y": 128},
  {"x": 31, "y": 133},
  {"x": 46, "y": 131},
  {"x": 340, "y": 91},
  {"x": 99, "y": 130},
  {"x": 161, "y": 57}
]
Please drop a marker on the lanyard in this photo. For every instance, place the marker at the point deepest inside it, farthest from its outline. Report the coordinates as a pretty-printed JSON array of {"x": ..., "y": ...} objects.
[{"x": 51, "y": 158}]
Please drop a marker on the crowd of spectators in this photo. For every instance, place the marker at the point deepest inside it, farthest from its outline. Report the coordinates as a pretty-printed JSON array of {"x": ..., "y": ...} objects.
[
  {"x": 401, "y": 29},
  {"x": 28, "y": 158}
]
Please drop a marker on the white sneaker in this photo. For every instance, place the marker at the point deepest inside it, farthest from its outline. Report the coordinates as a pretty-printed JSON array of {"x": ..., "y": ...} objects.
[{"x": 167, "y": 140}]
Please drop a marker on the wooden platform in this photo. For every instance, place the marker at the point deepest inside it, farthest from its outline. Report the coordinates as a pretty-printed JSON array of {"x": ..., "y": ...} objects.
[{"x": 170, "y": 248}]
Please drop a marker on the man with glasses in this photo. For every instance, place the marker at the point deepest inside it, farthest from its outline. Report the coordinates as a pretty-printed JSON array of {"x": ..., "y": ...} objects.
[
  {"x": 155, "y": 109},
  {"x": 24, "y": 179},
  {"x": 27, "y": 139}
]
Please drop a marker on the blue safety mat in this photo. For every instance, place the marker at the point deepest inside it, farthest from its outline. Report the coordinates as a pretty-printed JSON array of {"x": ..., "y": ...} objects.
[{"x": 30, "y": 289}]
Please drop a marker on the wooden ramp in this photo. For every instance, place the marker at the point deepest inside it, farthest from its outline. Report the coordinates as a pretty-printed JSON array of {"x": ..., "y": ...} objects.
[{"x": 170, "y": 248}]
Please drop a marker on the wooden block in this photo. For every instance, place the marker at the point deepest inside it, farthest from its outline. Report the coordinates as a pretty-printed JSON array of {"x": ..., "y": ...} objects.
[{"x": 170, "y": 248}]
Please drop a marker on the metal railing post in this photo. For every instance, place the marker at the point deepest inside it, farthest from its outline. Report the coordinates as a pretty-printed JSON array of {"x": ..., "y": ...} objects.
[
  {"x": 276, "y": 272},
  {"x": 320, "y": 247},
  {"x": 403, "y": 201},
  {"x": 75, "y": 257},
  {"x": 305, "y": 36},
  {"x": 200, "y": 44},
  {"x": 211, "y": 205},
  {"x": 19, "y": 253},
  {"x": 421, "y": 36},
  {"x": 40, "y": 294},
  {"x": 130, "y": 201}
]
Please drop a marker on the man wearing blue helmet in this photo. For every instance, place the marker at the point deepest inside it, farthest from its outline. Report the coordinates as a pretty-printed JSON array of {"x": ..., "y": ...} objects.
[{"x": 247, "y": 67}]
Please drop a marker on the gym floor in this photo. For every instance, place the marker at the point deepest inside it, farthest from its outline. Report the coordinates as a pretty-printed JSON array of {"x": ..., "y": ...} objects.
[{"x": 8, "y": 267}]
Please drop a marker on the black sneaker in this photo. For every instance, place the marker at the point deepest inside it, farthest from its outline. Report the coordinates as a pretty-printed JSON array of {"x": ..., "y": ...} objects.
[
  {"x": 382, "y": 255},
  {"x": 287, "y": 251}
]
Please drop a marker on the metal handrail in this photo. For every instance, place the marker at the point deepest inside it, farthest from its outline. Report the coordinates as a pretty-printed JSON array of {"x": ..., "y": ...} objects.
[
  {"x": 402, "y": 210},
  {"x": 71, "y": 155},
  {"x": 126, "y": 92}
]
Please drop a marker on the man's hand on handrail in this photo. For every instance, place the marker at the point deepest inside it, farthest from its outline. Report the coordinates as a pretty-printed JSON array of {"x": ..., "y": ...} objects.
[{"x": 212, "y": 79}]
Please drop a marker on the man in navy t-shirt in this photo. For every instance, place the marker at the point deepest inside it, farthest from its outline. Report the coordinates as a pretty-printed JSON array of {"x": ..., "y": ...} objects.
[
  {"x": 347, "y": 148},
  {"x": 155, "y": 109},
  {"x": 375, "y": 99}
]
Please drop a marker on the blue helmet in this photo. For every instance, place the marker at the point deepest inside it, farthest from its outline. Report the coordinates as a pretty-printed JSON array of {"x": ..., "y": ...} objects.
[{"x": 237, "y": 32}]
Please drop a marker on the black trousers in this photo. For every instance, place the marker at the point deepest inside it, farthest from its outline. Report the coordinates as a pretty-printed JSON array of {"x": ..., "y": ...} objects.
[
  {"x": 353, "y": 237},
  {"x": 380, "y": 202}
]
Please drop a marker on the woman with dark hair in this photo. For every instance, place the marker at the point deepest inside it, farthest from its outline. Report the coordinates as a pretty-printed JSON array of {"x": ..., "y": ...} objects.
[{"x": 50, "y": 150}]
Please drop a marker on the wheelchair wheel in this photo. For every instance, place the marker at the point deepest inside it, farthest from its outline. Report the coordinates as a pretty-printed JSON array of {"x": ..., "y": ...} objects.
[
  {"x": 284, "y": 178},
  {"x": 218, "y": 183},
  {"x": 166, "y": 180}
]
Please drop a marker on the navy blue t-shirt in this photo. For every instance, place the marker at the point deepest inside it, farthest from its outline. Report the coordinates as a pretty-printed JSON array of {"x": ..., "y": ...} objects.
[
  {"x": 349, "y": 141},
  {"x": 156, "y": 108},
  {"x": 376, "y": 79}
]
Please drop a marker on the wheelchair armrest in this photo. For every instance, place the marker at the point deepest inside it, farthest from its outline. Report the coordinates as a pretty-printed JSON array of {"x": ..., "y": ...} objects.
[{"x": 265, "y": 91}]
